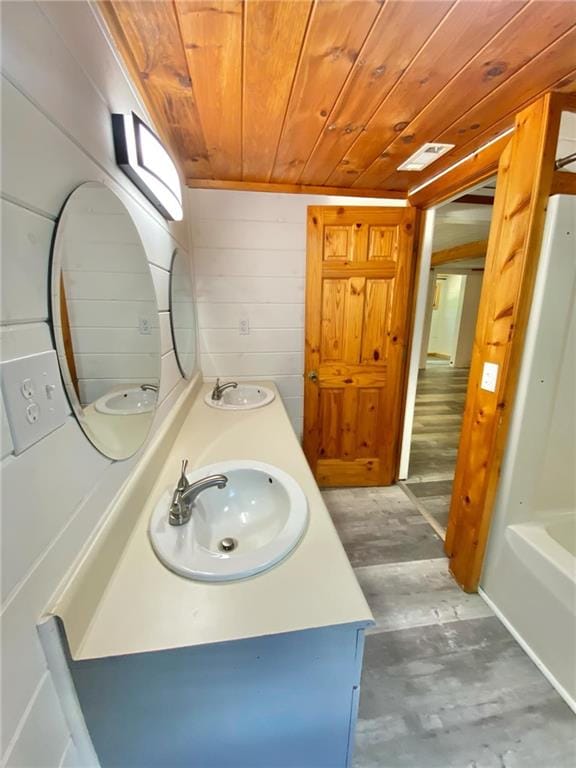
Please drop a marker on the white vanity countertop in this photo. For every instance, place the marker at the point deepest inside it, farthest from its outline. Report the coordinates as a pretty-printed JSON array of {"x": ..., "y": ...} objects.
[{"x": 145, "y": 607}]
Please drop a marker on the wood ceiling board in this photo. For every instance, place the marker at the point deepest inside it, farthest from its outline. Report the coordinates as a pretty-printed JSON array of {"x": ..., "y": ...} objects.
[
  {"x": 148, "y": 35},
  {"x": 305, "y": 67},
  {"x": 539, "y": 75},
  {"x": 380, "y": 64},
  {"x": 460, "y": 35},
  {"x": 335, "y": 35},
  {"x": 211, "y": 31},
  {"x": 529, "y": 32},
  {"x": 259, "y": 186},
  {"x": 273, "y": 35},
  {"x": 534, "y": 80}
]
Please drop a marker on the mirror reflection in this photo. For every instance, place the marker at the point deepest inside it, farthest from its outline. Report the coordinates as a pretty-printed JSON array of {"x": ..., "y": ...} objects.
[
  {"x": 105, "y": 320},
  {"x": 183, "y": 313}
]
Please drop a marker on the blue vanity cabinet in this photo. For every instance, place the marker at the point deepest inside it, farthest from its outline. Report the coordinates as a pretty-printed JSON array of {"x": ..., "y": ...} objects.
[{"x": 281, "y": 701}]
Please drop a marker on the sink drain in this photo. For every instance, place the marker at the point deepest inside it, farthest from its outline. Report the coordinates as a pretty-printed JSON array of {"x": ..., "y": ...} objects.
[{"x": 227, "y": 545}]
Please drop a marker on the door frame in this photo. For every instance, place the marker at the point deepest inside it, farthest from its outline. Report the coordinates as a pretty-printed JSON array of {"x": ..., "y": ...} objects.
[
  {"x": 535, "y": 134},
  {"x": 420, "y": 316}
]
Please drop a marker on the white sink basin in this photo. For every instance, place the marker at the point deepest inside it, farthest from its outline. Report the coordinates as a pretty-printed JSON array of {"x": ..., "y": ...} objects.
[
  {"x": 127, "y": 401},
  {"x": 262, "y": 509},
  {"x": 244, "y": 398}
]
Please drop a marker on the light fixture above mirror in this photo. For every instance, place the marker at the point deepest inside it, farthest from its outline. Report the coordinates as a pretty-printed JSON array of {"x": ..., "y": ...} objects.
[{"x": 143, "y": 158}]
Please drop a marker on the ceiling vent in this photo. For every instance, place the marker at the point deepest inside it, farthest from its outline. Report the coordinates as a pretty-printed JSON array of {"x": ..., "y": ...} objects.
[{"x": 425, "y": 156}]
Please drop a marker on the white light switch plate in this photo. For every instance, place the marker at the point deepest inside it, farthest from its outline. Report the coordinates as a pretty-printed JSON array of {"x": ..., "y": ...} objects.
[
  {"x": 489, "y": 377},
  {"x": 34, "y": 398}
]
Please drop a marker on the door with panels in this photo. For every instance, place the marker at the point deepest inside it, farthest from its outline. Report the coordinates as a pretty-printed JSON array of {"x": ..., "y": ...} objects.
[{"x": 360, "y": 267}]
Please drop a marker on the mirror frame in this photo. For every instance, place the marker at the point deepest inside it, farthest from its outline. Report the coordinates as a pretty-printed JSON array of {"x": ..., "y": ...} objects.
[
  {"x": 185, "y": 376},
  {"x": 55, "y": 264}
]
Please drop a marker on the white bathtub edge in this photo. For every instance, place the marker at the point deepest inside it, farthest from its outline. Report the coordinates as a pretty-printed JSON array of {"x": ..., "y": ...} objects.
[{"x": 528, "y": 650}]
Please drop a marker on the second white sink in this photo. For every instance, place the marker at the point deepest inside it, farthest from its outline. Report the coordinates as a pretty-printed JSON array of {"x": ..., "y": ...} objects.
[
  {"x": 244, "y": 397},
  {"x": 236, "y": 531},
  {"x": 128, "y": 401}
]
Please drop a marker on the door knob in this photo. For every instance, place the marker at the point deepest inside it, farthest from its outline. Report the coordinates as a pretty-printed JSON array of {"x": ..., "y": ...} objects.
[{"x": 313, "y": 376}]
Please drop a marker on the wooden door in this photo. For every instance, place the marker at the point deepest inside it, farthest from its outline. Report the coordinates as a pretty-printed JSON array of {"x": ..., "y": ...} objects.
[{"x": 358, "y": 292}]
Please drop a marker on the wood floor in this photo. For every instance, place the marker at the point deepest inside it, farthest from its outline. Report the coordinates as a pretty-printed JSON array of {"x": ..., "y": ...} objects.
[
  {"x": 440, "y": 397},
  {"x": 444, "y": 684}
]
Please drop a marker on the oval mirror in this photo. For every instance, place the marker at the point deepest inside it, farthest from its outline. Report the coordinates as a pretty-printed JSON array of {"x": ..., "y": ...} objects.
[
  {"x": 105, "y": 320},
  {"x": 183, "y": 313}
]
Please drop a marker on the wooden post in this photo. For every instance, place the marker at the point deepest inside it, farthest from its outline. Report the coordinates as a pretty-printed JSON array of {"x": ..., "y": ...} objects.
[{"x": 525, "y": 176}]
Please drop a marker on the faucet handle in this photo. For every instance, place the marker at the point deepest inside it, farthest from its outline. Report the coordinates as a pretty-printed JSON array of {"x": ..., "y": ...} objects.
[{"x": 183, "y": 482}]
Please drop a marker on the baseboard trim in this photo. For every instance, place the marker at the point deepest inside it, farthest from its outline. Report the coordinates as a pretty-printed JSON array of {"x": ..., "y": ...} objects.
[{"x": 529, "y": 651}]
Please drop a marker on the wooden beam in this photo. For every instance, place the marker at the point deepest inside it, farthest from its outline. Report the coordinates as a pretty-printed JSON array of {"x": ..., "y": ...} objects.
[
  {"x": 472, "y": 171},
  {"x": 473, "y": 250},
  {"x": 256, "y": 186},
  {"x": 566, "y": 101},
  {"x": 524, "y": 182},
  {"x": 563, "y": 183},
  {"x": 475, "y": 199}
]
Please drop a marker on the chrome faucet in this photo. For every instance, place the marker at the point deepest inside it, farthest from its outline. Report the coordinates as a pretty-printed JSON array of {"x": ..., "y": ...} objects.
[
  {"x": 186, "y": 493},
  {"x": 149, "y": 387},
  {"x": 219, "y": 388}
]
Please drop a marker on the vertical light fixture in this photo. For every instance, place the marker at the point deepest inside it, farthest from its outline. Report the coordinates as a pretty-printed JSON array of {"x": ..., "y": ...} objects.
[{"x": 143, "y": 158}]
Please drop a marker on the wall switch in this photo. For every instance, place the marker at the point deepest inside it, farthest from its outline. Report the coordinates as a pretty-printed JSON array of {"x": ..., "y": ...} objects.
[
  {"x": 489, "y": 377},
  {"x": 244, "y": 327},
  {"x": 34, "y": 398}
]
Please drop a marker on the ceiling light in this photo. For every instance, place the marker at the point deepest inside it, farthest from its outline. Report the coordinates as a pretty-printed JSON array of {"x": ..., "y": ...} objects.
[
  {"x": 143, "y": 158},
  {"x": 423, "y": 157}
]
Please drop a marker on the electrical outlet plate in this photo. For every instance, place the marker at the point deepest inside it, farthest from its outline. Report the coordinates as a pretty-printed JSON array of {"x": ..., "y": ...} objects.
[
  {"x": 34, "y": 398},
  {"x": 489, "y": 377}
]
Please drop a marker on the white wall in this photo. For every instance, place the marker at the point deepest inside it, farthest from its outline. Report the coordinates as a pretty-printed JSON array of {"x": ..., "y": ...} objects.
[
  {"x": 428, "y": 312},
  {"x": 60, "y": 82},
  {"x": 250, "y": 261},
  {"x": 556, "y": 486},
  {"x": 446, "y": 317},
  {"x": 468, "y": 318}
]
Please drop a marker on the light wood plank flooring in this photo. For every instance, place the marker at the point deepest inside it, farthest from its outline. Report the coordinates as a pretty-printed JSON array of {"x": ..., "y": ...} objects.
[
  {"x": 444, "y": 684},
  {"x": 440, "y": 398}
]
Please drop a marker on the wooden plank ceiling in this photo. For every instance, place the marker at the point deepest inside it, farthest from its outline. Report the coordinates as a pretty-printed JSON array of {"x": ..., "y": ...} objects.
[{"x": 337, "y": 93}]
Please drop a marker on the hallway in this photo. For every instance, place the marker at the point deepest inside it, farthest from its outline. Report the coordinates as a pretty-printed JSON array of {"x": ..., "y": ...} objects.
[
  {"x": 440, "y": 398},
  {"x": 444, "y": 684}
]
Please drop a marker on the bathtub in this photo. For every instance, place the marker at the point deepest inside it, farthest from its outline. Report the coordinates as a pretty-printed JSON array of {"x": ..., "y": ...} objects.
[
  {"x": 533, "y": 592},
  {"x": 548, "y": 550}
]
